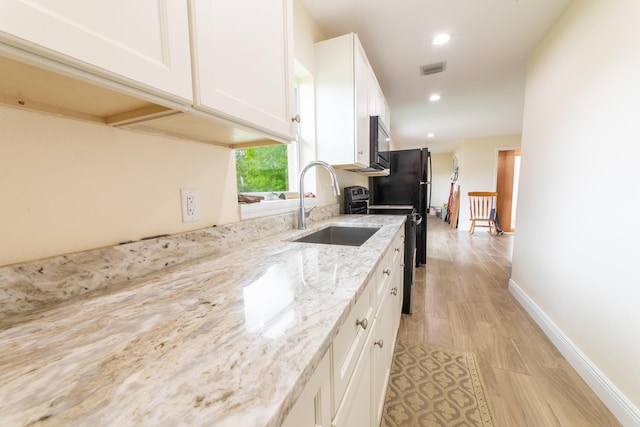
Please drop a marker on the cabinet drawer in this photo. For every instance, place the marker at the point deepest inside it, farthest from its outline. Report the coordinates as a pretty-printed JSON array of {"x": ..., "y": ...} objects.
[{"x": 349, "y": 342}]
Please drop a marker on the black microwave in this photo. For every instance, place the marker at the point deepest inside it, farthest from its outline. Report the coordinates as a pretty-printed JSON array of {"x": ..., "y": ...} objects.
[{"x": 380, "y": 144}]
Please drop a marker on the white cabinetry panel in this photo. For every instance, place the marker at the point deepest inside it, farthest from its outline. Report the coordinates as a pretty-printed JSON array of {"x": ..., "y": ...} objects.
[
  {"x": 313, "y": 407},
  {"x": 381, "y": 355},
  {"x": 244, "y": 62},
  {"x": 350, "y": 341},
  {"x": 355, "y": 409},
  {"x": 145, "y": 42},
  {"x": 347, "y": 94},
  {"x": 362, "y": 72}
]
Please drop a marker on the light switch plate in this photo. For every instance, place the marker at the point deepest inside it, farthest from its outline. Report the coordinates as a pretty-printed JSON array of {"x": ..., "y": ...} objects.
[{"x": 190, "y": 205}]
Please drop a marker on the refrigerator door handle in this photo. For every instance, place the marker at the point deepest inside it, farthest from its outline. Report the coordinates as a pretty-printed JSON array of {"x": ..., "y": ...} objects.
[{"x": 430, "y": 179}]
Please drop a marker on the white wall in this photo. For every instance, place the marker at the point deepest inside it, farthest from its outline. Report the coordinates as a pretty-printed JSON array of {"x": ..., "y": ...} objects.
[
  {"x": 478, "y": 168},
  {"x": 575, "y": 253}
]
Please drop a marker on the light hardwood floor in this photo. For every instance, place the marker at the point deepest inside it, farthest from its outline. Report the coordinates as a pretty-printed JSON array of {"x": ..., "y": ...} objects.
[{"x": 461, "y": 300}]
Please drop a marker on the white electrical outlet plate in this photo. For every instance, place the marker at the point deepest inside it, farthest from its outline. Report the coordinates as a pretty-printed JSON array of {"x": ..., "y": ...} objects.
[{"x": 190, "y": 205}]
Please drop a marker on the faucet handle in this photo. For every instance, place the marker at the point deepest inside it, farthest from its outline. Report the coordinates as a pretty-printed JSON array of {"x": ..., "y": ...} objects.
[{"x": 308, "y": 212}]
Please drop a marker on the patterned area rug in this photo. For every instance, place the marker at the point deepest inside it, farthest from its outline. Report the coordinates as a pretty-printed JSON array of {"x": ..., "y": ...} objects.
[{"x": 435, "y": 386}]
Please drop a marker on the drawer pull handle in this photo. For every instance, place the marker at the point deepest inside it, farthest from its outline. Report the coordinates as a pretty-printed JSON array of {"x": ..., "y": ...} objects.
[
  {"x": 387, "y": 272},
  {"x": 362, "y": 323},
  {"x": 397, "y": 249},
  {"x": 379, "y": 343},
  {"x": 394, "y": 291}
]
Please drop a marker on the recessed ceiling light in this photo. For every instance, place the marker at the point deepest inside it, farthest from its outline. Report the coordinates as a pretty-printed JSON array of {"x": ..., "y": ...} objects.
[
  {"x": 430, "y": 135},
  {"x": 434, "y": 97},
  {"x": 441, "y": 39}
]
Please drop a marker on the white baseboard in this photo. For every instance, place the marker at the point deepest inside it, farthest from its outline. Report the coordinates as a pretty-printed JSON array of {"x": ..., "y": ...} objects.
[{"x": 626, "y": 412}]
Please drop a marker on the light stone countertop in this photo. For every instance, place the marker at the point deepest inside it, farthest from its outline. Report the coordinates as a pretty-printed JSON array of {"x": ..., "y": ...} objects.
[{"x": 225, "y": 340}]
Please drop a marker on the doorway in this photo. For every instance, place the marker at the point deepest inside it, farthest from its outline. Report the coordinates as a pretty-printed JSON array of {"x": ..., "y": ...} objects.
[{"x": 507, "y": 188}]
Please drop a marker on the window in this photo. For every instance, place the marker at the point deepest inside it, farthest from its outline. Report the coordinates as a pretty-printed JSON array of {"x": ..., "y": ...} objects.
[{"x": 269, "y": 171}]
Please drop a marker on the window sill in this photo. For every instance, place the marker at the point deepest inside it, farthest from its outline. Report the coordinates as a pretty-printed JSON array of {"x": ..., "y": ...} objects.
[{"x": 273, "y": 207}]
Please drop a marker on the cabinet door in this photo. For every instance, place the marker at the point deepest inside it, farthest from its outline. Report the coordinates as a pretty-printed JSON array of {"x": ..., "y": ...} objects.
[
  {"x": 313, "y": 407},
  {"x": 381, "y": 353},
  {"x": 244, "y": 62},
  {"x": 395, "y": 299},
  {"x": 362, "y": 77},
  {"x": 145, "y": 42},
  {"x": 355, "y": 409},
  {"x": 350, "y": 342}
]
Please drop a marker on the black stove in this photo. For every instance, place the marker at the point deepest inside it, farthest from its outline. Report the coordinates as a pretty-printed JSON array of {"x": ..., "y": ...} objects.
[{"x": 356, "y": 199}]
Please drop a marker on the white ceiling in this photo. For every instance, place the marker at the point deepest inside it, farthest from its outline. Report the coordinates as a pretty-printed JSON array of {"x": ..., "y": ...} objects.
[{"x": 482, "y": 87}]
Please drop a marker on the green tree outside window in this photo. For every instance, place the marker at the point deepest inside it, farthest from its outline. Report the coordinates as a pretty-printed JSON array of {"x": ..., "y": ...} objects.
[{"x": 261, "y": 169}]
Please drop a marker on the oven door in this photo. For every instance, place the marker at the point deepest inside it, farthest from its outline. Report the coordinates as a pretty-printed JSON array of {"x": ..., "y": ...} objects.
[
  {"x": 391, "y": 209},
  {"x": 356, "y": 207}
]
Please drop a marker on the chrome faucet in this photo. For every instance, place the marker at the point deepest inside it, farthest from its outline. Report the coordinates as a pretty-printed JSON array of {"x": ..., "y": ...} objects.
[{"x": 302, "y": 213}]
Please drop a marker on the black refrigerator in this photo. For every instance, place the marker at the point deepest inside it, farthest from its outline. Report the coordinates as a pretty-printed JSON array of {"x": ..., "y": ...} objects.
[{"x": 409, "y": 183}]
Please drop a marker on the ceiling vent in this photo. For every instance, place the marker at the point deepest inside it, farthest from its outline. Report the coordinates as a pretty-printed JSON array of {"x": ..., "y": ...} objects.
[{"x": 435, "y": 68}]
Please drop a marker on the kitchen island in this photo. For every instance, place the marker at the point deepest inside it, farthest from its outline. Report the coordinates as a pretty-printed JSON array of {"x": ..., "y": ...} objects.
[{"x": 227, "y": 340}]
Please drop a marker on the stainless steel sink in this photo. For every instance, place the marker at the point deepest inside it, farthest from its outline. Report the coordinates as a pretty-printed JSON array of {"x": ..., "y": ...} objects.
[{"x": 334, "y": 235}]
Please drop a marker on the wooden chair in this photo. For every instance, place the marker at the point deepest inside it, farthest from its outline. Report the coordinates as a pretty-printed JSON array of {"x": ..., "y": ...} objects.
[{"x": 482, "y": 205}]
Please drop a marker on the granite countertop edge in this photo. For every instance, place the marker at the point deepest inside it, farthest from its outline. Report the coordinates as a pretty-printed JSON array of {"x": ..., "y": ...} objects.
[{"x": 210, "y": 341}]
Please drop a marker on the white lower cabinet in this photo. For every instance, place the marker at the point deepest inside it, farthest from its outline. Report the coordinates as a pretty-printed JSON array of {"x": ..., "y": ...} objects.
[
  {"x": 350, "y": 342},
  {"x": 355, "y": 407},
  {"x": 381, "y": 355},
  {"x": 396, "y": 296},
  {"x": 363, "y": 401},
  {"x": 361, "y": 355},
  {"x": 313, "y": 407}
]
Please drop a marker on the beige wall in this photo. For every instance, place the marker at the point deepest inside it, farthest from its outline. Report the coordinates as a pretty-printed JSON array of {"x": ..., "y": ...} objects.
[
  {"x": 441, "y": 183},
  {"x": 575, "y": 253},
  {"x": 478, "y": 168},
  {"x": 69, "y": 186},
  {"x": 306, "y": 32}
]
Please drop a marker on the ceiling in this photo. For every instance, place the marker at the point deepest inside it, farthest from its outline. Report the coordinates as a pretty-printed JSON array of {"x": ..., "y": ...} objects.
[{"x": 482, "y": 87}]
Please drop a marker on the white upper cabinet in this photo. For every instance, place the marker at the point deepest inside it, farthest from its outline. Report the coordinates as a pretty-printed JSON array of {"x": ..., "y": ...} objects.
[
  {"x": 144, "y": 43},
  {"x": 130, "y": 65},
  {"x": 342, "y": 122},
  {"x": 243, "y": 62},
  {"x": 347, "y": 94}
]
